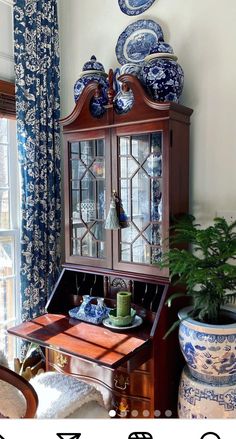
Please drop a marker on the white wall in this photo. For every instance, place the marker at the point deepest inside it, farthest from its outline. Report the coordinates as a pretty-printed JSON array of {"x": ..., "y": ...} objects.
[
  {"x": 6, "y": 41},
  {"x": 203, "y": 35}
]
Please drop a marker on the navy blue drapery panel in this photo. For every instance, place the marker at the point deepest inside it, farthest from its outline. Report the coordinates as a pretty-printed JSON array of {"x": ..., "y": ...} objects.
[{"x": 38, "y": 112}]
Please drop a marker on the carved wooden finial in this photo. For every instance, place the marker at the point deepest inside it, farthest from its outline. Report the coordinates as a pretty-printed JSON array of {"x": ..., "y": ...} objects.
[
  {"x": 98, "y": 91},
  {"x": 111, "y": 91},
  {"x": 125, "y": 87}
]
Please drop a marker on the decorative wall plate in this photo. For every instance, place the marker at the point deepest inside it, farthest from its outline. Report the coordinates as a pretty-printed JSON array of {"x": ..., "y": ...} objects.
[
  {"x": 136, "y": 322},
  {"x": 134, "y": 7},
  {"x": 136, "y": 41}
]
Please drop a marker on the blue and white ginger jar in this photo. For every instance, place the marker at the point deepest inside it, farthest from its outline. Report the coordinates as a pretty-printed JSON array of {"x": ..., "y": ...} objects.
[
  {"x": 93, "y": 70},
  {"x": 162, "y": 75},
  {"x": 209, "y": 350}
]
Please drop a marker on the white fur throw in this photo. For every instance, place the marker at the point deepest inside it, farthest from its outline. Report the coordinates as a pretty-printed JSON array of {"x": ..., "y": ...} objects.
[
  {"x": 12, "y": 402},
  {"x": 61, "y": 395},
  {"x": 3, "y": 360}
]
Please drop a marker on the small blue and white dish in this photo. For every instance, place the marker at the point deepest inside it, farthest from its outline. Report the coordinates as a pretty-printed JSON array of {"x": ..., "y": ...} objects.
[
  {"x": 136, "y": 41},
  {"x": 134, "y": 7},
  {"x": 90, "y": 312}
]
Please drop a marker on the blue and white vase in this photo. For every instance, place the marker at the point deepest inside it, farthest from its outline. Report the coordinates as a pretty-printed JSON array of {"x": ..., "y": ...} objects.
[
  {"x": 86, "y": 306},
  {"x": 162, "y": 76},
  {"x": 209, "y": 350},
  {"x": 131, "y": 69},
  {"x": 93, "y": 70},
  {"x": 101, "y": 310},
  {"x": 123, "y": 101}
]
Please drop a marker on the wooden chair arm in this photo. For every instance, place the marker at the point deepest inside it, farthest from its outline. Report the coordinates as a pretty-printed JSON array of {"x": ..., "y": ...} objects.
[{"x": 25, "y": 388}]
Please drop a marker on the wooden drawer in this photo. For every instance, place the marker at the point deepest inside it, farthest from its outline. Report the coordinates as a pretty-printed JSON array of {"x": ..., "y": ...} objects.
[{"x": 136, "y": 383}]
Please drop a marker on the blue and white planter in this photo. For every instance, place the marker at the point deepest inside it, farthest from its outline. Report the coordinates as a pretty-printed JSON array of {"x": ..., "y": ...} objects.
[{"x": 209, "y": 350}]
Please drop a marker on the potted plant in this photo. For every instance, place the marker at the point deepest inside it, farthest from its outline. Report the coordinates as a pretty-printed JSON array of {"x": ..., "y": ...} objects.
[{"x": 207, "y": 330}]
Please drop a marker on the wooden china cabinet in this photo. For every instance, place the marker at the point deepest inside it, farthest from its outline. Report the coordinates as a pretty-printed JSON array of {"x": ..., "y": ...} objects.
[{"x": 142, "y": 155}]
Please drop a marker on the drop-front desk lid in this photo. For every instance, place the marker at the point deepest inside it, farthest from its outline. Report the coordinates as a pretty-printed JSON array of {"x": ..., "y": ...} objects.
[{"x": 91, "y": 342}]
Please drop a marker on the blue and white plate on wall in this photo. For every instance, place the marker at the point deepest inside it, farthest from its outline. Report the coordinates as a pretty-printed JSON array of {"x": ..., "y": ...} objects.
[
  {"x": 134, "y": 7},
  {"x": 136, "y": 41}
]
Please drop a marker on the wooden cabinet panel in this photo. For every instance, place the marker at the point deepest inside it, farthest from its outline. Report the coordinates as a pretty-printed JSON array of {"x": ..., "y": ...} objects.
[
  {"x": 143, "y": 156},
  {"x": 136, "y": 383}
]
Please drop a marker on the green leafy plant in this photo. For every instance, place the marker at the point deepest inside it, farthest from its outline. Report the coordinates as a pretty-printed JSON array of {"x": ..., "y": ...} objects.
[{"x": 207, "y": 268}]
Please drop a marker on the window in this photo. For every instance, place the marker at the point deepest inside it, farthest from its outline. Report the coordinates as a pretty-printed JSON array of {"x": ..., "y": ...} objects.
[{"x": 9, "y": 234}]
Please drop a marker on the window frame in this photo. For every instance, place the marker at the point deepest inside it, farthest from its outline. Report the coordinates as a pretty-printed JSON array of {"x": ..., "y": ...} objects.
[{"x": 8, "y": 111}]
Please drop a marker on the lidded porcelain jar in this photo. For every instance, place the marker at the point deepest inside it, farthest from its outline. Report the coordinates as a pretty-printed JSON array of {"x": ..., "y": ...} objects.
[
  {"x": 92, "y": 70},
  {"x": 162, "y": 75}
]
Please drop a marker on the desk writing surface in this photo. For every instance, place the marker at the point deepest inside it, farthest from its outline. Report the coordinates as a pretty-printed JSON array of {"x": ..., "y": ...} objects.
[{"x": 95, "y": 343}]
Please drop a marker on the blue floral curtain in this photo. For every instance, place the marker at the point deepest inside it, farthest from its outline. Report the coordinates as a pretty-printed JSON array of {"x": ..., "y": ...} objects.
[{"x": 38, "y": 112}]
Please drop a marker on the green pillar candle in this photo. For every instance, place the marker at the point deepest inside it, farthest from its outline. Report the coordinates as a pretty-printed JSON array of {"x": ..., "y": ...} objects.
[{"x": 123, "y": 303}]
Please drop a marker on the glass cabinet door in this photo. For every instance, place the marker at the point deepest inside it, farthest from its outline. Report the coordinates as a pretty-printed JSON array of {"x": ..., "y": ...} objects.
[
  {"x": 87, "y": 194},
  {"x": 140, "y": 167}
]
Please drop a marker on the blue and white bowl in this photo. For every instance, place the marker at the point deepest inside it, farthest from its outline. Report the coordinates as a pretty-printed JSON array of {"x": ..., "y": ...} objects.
[{"x": 163, "y": 77}]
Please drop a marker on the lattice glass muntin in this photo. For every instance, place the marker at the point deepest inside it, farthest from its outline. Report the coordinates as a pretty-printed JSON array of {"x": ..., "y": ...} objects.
[
  {"x": 87, "y": 188},
  {"x": 141, "y": 190}
]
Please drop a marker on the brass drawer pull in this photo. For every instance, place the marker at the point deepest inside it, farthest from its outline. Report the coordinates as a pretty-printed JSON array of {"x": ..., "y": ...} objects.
[
  {"x": 61, "y": 360},
  {"x": 121, "y": 382}
]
